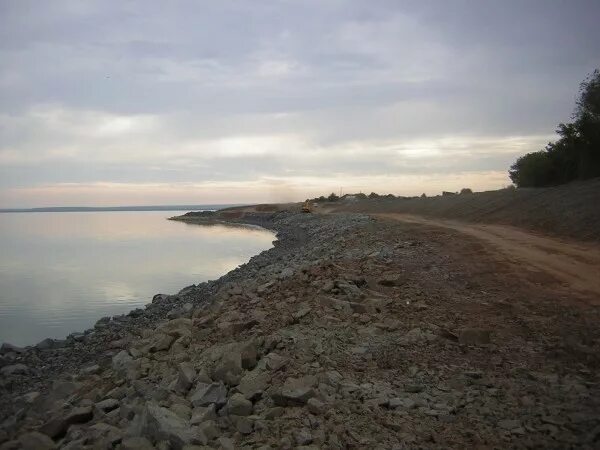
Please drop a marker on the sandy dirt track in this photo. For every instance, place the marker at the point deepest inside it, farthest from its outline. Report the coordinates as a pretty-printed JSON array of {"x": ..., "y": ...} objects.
[{"x": 576, "y": 265}]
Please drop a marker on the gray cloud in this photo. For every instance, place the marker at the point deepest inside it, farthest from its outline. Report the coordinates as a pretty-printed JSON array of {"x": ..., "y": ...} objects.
[{"x": 184, "y": 91}]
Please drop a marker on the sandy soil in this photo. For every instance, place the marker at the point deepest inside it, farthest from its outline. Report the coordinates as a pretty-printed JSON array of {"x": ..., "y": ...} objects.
[{"x": 576, "y": 265}]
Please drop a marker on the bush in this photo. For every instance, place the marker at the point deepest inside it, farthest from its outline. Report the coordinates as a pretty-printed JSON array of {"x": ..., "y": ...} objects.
[
  {"x": 576, "y": 155},
  {"x": 373, "y": 195},
  {"x": 332, "y": 197},
  {"x": 464, "y": 191}
]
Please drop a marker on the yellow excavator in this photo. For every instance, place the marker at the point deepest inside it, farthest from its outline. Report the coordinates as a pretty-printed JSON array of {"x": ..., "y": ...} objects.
[{"x": 307, "y": 207}]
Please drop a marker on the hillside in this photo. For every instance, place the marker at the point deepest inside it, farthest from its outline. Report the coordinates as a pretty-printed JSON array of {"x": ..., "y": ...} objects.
[{"x": 571, "y": 210}]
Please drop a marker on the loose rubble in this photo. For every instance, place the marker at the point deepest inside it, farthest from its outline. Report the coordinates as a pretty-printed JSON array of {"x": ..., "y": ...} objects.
[{"x": 348, "y": 333}]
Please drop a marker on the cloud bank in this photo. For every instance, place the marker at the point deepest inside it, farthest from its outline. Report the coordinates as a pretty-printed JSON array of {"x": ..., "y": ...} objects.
[{"x": 105, "y": 103}]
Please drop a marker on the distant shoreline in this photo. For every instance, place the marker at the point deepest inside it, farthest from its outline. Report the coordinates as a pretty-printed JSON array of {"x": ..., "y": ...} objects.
[{"x": 121, "y": 208}]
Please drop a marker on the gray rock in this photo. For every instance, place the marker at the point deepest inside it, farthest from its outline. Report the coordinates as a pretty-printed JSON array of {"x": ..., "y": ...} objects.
[
  {"x": 186, "y": 375},
  {"x": 58, "y": 425},
  {"x": 295, "y": 391},
  {"x": 10, "y": 348},
  {"x": 161, "y": 343},
  {"x": 15, "y": 369},
  {"x": 164, "y": 425},
  {"x": 31, "y": 397},
  {"x": 91, "y": 370},
  {"x": 209, "y": 430},
  {"x": 242, "y": 424},
  {"x": 122, "y": 361},
  {"x": 49, "y": 344},
  {"x": 404, "y": 403},
  {"x": 136, "y": 443},
  {"x": 274, "y": 362},
  {"x": 474, "y": 336},
  {"x": 509, "y": 424},
  {"x": 303, "y": 436},
  {"x": 207, "y": 394},
  {"x": 238, "y": 405},
  {"x": 316, "y": 406},
  {"x": 36, "y": 441},
  {"x": 254, "y": 383},
  {"x": 107, "y": 405},
  {"x": 202, "y": 414}
]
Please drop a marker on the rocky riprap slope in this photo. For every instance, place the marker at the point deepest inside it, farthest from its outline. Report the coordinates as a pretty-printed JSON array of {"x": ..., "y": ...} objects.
[{"x": 349, "y": 333}]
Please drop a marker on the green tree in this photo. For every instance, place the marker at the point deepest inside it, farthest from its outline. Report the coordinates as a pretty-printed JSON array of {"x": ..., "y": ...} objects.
[{"x": 576, "y": 154}]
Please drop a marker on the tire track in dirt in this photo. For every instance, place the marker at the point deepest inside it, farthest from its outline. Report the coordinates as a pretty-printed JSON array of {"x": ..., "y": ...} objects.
[{"x": 576, "y": 264}]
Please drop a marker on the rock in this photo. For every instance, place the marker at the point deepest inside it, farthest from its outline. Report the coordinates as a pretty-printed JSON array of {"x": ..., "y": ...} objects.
[
  {"x": 242, "y": 424},
  {"x": 91, "y": 370},
  {"x": 404, "y": 403},
  {"x": 138, "y": 312},
  {"x": 77, "y": 337},
  {"x": 303, "y": 436},
  {"x": 254, "y": 383},
  {"x": 104, "y": 434},
  {"x": 229, "y": 369},
  {"x": 31, "y": 397},
  {"x": 239, "y": 406},
  {"x": 161, "y": 343},
  {"x": 295, "y": 391},
  {"x": 301, "y": 313},
  {"x": 107, "y": 405},
  {"x": 207, "y": 394},
  {"x": 315, "y": 406},
  {"x": 273, "y": 413},
  {"x": 49, "y": 344},
  {"x": 159, "y": 298},
  {"x": 413, "y": 388},
  {"x": 474, "y": 336},
  {"x": 10, "y": 348},
  {"x": 164, "y": 425},
  {"x": 226, "y": 443},
  {"x": 136, "y": 443},
  {"x": 202, "y": 414},
  {"x": 391, "y": 280},
  {"x": 58, "y": 425},
  {"x": 186, "y": 375},
  {"x": 181, "y": 410},
  {"x": 122, "y": 361},
  {"x": 36, "y": 441},
  {"x": 509, "y": 424},
  {"x": 209, "y": 430},
  {"x": 275, "y": 362},
  {"x": 15, "y": 369}
]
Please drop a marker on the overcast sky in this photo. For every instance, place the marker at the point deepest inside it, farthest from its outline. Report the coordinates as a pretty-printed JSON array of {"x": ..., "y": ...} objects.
[{"x": 151, "y": 102}]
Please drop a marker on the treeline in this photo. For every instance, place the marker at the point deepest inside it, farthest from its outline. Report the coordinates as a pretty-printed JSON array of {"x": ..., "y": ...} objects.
[
  {"x": 576, "y": 155},
  {"x": 373, "y": 195}
]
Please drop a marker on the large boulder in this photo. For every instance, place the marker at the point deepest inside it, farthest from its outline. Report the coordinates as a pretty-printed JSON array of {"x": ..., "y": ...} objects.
[
  {"x": 206, "y": 394},
  {"x": 295, "y": 391},
  {"x": 36, "y": 441},
  {"x": 15, "y": 369},
  {"x": 238, "y": 405},
  {"x": 57, "y": 426},
  {"x": 164, "y": 425}
]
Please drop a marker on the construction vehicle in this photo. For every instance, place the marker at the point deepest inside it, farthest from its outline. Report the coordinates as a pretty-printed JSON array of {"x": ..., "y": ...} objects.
[{"x": 307, "y": 207}]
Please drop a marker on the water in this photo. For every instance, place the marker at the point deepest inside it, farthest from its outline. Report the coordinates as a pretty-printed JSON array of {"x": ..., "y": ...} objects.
[{"x": 61, "y": 272}]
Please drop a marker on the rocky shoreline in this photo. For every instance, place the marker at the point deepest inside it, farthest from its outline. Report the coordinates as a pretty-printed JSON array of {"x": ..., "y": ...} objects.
[{"x": 348, "y": 333}]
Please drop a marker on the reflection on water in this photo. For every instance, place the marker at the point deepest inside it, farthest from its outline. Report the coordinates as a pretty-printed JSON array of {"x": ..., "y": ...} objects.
[{"x": 60, "y": 272}]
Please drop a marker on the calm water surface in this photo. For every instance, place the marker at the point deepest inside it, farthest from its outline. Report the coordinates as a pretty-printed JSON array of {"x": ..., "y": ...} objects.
[{"x": 60, "y": 272}]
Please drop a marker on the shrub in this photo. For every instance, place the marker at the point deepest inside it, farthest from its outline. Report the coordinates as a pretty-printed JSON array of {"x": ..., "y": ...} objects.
[
  {"x": 464, "y": 191},
  {"x": 332, "y": 197}
]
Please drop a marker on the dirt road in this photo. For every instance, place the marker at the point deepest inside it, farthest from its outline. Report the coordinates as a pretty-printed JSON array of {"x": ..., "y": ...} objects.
[{"x": 575, "y": 265}]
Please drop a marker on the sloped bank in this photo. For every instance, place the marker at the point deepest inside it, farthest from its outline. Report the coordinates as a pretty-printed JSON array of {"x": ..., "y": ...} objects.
[{"x": 349, "y": 333}]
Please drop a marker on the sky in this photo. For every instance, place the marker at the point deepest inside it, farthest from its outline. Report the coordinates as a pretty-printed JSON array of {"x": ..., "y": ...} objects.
[{"x": 195, "y": 102}]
